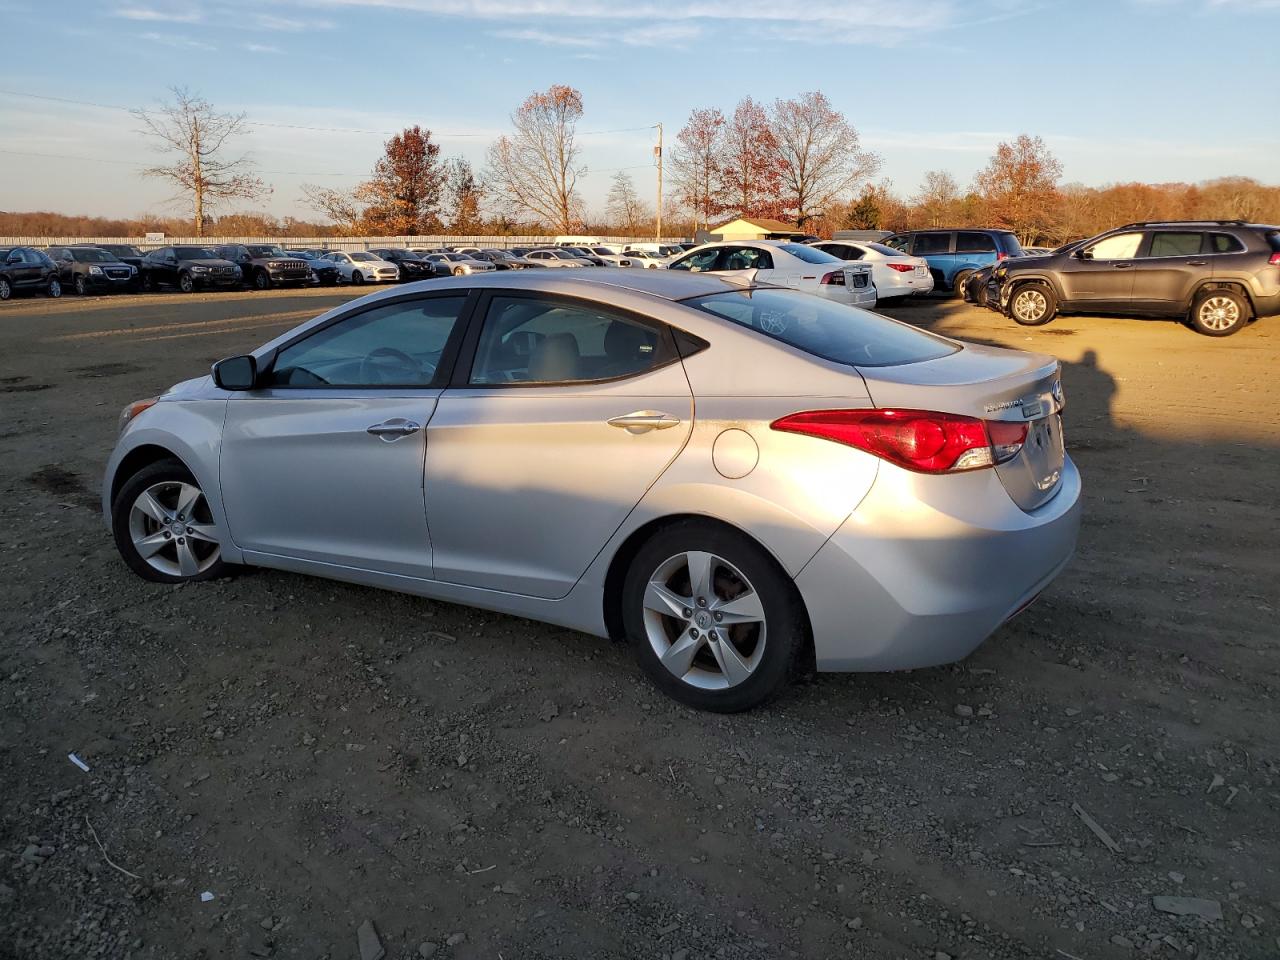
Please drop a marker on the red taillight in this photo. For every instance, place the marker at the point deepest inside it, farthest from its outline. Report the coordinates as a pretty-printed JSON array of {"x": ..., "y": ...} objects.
[
  {"x": 902, "y": 267},
  {"x": 1275, "y": 259},
  {"x": 834, "y": 278},
  {"x": 1001, "y": 255},
  {"x": 915, "y": 439}
]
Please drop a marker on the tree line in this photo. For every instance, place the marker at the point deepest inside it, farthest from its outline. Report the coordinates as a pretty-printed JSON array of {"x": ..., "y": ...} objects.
[{"x": 798, "y": 160}]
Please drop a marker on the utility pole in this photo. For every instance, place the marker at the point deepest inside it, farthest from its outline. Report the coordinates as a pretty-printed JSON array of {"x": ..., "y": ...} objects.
[{"x": 657, "y": 152}]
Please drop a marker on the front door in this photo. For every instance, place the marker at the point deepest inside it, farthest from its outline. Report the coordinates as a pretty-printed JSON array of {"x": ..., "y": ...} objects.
[
  {"x": 1100, "y": 276},
  {"x": 324, "y": 460},
  {"x": 568, "y": 413}
]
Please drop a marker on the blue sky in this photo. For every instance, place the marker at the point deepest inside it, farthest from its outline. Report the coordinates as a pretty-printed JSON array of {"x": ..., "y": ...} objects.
[{"x": 1154, "y": 90}]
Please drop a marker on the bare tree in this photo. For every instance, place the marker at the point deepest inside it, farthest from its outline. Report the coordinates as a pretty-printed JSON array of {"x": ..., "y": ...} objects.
[
  {"x": 343, "y": 207},
  {"x": 625, "y": 208},
  {"x": 193, "y": 129},
  {"x": 752, "y": 178},
  {"x": 533, "y": 170},
  {"x": 819, "y": 152},
  {"x": 464, "y": 194}
]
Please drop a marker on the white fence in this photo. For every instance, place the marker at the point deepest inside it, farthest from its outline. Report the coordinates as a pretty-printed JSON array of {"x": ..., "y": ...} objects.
[{"x": 327, "y": 243}]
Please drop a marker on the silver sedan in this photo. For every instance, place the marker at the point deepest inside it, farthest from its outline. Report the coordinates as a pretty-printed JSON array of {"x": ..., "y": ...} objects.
[{"x": 731, "y": 478}]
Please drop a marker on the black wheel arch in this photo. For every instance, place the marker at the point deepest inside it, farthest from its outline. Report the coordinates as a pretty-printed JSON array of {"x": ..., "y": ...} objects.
[
  {"x": 1017, "y": 280},
  {"x": 1239, "y": 287}
]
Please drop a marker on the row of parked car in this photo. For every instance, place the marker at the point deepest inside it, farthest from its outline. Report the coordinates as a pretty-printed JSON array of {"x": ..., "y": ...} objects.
[{"x": 102, "y": 268}]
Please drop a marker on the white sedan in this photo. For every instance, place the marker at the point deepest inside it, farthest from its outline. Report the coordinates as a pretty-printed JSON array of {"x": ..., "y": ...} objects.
[
  {"x": 895, "y": 274},
  {"x": 357, "y": 266},
  {"x": 460, "y": 264},
  {"x": 555, "y": 257},
  {"x": 648, "y": 259},
  {"x": 785, "y": 264}
]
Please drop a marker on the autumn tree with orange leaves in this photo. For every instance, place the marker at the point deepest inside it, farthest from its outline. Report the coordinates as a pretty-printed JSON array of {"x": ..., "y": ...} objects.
[
  {"x": 534, "y": 171},
  {"x": 403, "y": 198},
  {"x": 1019, "y": 187},
  {"x": 752, "y": 174},
  {"x": 697, "y": 165}
]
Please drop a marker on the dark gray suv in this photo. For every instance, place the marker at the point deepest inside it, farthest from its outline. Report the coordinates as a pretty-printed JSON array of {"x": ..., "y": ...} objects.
[{"x": 1217, "y": 274}]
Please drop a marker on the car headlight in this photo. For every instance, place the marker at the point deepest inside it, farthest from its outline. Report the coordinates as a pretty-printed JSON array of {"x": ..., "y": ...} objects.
[
  {"x": 199, "y": 269},
  {"x": 274, "y": 264},
  {"x": 132, "y": 270},
  {"x": 95, "y": 271},
  {"x": 131, "y": 411}
]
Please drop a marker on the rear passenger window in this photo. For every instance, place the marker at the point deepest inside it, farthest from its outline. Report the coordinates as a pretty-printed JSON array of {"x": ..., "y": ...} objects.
[
  {"x": 531, "y": 341},
  {"x": 1167, "y": 243},
  {"x": 975, "y": 243},
  {"x": 928, "y": 243},
  {"x": 1224, "y": 243}
]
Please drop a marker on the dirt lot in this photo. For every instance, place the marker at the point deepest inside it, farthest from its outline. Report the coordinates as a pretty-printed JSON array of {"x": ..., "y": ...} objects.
[{"x": 317, "y": 755}]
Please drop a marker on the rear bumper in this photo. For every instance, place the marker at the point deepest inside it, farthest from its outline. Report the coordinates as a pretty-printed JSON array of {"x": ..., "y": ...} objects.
[
  {"x": 1266, "y": 306},
  {"x": 903, "y": 284},
  {"x": 928, "y": 567},
  {"x": 852, "y": 296}
]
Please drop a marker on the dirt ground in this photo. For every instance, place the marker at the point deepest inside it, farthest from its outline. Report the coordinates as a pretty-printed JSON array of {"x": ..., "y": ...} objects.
[{"x": 317, "y": 755}]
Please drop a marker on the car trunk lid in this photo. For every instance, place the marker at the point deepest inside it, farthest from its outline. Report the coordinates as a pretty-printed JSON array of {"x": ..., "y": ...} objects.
[{"x": 991, "y": 384}]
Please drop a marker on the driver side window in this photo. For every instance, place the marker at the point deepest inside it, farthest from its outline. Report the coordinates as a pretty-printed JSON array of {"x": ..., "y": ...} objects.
[{"x": 399, "y": 344}]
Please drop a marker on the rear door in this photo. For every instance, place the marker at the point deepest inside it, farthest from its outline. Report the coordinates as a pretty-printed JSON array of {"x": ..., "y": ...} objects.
[
  {"x": 324, "y": 461},
  {"x": 935, "y": 247},
  {"x": 565, "y": 415},
  {"x": 1171, "y": 263}
]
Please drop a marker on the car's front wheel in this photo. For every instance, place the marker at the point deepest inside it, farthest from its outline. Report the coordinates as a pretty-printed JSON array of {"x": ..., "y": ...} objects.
[
  {"x": 185, "y": 283},
  {"x": 163, "y": 526},
  {"x": 55, "y": 288},
  {"x": 357, "y": 277},
  {"x": 262, "y": 280},
  {"x": 82, "y": 288},
  {"x": 1219, "y": 313},
  {"x": 1032, "y": 305},
  {"x": 712, "y": 618}
]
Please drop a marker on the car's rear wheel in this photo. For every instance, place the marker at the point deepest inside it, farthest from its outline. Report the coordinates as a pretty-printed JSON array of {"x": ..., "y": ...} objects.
[
  {"x": 1219, "y": 313},
  {"x": 148, "y": 284},
  {"x": 163, "y": 526},
  {"x": 712, "y": 618},
  {"x": 1033, "y": 304},
  {"x": 6, "y": 288},
  {"x": 81, "y": 287},
  {"x": 185, "y": 283},
  {"x": 960, "y": 281},
  {"x": 55, "y": 288}
]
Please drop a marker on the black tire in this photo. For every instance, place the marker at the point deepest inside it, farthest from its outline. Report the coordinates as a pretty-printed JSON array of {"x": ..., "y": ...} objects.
[
  {"x": 979, "y": 294},
  {"x": 1040, "y": 304},
  {"x": 357, "y": 278},
  {"x": 1219, "y": 313},
  {"x": 161, "y": 471},
  {"x": 262, "y": 280},
  {"x": 185, "y": 283},
  {"x": 148, "y": 284},
  {"x": 959, "y": 281},
  {"x": 55, "y": 288},
  {"x": 82, "y": 288},
  {"x": 6, "y": 288},
  {"x": 785, "y": 630}
]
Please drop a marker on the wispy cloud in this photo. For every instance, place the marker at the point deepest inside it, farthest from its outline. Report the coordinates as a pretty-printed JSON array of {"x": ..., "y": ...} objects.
[
  {"x": 172, "y": 40},
  {"x": 546, "y": 38},
  {"x": 270, "y": 21},
  {"x": 261, "y": 48},
  {"x": 666, "y": 35},
  {"x": 154, "y": 15}
]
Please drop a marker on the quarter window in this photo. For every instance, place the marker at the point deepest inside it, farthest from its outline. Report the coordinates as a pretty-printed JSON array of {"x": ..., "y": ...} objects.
[
  {"x": 543, "y": 341},
  {"x": 1167, "y": 243},
  {"x": 1224, "y": 243},
  {"x": 399, "y": 344},
  {"x": 1121, "y": 246},
  {"x": 901, "y": 244}
]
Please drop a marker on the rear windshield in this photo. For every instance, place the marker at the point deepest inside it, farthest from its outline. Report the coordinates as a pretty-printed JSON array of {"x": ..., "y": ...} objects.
[
  {"x": 825, "y": 329},
  {"x": 881, "y": 248},
  {"x": 1011, "y": 245},
  {"x": 808, "y": 254}
]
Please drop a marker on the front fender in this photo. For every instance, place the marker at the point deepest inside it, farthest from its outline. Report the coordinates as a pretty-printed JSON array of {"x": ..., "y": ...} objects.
[{"x": 191, "y": 430}]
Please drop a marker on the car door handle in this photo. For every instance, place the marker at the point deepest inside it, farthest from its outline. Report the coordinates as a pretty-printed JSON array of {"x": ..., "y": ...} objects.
[
  {"x": 1196, "y": 263},
  {"x": 642, "y": 421},
  {"x": 1122, "y": 266},
  {"x": 393, "y": 429}
]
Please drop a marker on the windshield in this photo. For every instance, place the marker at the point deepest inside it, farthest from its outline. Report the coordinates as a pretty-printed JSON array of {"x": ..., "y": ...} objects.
[
  {"x": 808, "y": 254},
  {"x": 361, "y": 256},
  {"x": 265, "y": 250},
  {"x": 195, "y": 253},
  {"x": 92, "y": 255},
  {"x": 826, "y": 329},
  {"x": 123, "y": 250}
]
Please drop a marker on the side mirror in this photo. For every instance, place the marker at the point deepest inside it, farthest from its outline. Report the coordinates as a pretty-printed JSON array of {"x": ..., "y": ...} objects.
[
  {"x": 236, "y": 373},
  {"x": 1083, "y": 254}
]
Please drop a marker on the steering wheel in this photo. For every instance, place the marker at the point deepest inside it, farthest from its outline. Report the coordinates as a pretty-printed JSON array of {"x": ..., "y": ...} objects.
[{"x": 373, "y": 371}]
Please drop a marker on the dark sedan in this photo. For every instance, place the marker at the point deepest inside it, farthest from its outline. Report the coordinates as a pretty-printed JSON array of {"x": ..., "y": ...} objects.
[
  {"x": 412, "y": 266},
  {"x": 325, "y": 271}
]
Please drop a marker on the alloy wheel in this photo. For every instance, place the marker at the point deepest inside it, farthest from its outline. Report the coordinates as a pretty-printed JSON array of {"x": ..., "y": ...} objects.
[
  {"x": 1030, "y": 305},
  {"x": 185, "y": 283},
  {"x": 1219, "y": 313},
  {"x": 6, "y": 291},
  {"x": 55, "y": 288},
  {"x": 704, "y": 620},
  {"x": 172, "y": 529},
  {"x": 81, "y": 287}
]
